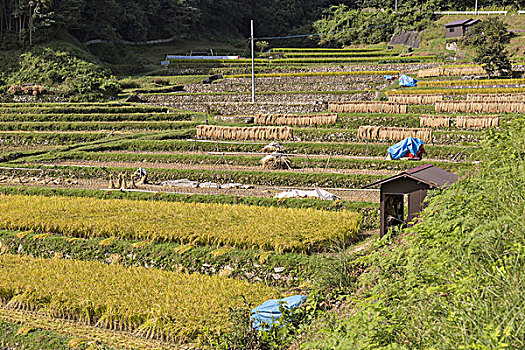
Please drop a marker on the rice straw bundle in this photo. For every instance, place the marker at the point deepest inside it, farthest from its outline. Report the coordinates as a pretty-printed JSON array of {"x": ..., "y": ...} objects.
[
  {"x": 295, "y": 120},
  {"x": 415, "y": 99},
  {"x": 367, "y": 107},
  {"x": 434, "y": 121},
  {"x": 395, "y": 134},
  {"x": 450, "y": 71},
  {"x": 244, "y": 133},
  {"x": 481, "y": 121},
  {"x": 480, "y": 107},
  {"x": 496, "y": 97}
]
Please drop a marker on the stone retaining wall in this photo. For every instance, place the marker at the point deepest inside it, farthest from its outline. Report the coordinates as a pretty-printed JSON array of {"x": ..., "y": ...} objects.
[
  {"x": 404, "y": 67},
  {"x": 241, "y": 103},
  {"x": 330, "y": 83},
  {"x": 233, "y": 108}
]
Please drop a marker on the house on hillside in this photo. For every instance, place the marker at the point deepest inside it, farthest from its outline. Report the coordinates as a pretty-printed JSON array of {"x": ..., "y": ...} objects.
[{"x": 460, "y": 27}]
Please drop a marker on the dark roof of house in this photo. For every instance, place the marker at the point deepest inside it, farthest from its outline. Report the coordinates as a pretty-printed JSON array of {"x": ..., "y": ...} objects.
[
  {"x": 433, "y": 176},
  {"x": 461, "y": 22}
]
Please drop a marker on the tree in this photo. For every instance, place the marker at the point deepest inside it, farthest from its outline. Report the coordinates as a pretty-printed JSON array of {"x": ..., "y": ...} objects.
[
  {"x": 488, "y": 40},
  {"x": 262, "y": 45}
]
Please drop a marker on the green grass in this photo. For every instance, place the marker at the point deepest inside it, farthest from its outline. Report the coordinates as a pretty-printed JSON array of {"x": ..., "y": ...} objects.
[
  {"x": 365, "y": 49},
  {"x": 196, "y": 63},
  {"x": 50, "y": 116},
  {"x": 150, "y": 81},
  {"x": 96, "y": 125},
  {"x": 334, "y": 148},
  {"x": 240, "y": 160},
  {"x": 78, "y": 109},
  {"x": 72, "y": 138},
  {"x": 377, "y": 60},
  {"x": 337, "y": 54},
  {"x": 49, "y": 138},
  {"x": 456, "y": 278}
]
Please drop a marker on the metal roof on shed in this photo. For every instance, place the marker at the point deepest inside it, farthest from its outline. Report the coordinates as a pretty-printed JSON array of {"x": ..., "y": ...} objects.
[
  {"x": 432, "y": 176},
  {"x": 458, "y": 22}
]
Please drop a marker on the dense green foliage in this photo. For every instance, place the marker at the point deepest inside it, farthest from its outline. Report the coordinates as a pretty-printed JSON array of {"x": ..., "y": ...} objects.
[
  {"x": 488, "y": 39},
  {"x": 26, "y": 21},
  {"x": 455, "y": 280},
  {"x": 71, "y": 75},
  {"x": 30, "y": 21},
  {"x": 345, "y": 26}
]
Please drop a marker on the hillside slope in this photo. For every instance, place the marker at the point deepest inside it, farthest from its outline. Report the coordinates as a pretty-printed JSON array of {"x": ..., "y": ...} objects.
[
  {"x": 454, "y": 281},
  {"x": 433, "y": 38}
]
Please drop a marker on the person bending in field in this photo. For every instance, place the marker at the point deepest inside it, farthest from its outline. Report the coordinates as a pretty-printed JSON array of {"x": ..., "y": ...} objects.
[{"x": 142, "y": 174}]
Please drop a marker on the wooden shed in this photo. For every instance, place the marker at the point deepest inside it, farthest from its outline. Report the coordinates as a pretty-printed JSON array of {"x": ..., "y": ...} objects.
[
  {"x": 460, "y": 27},
  {"x": 413, "y": 183}
]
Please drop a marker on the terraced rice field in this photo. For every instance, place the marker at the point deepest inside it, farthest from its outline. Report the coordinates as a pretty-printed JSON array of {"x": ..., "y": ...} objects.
[
  {"x": 188, "y": 307},
  {"x": 158, "y": 264}
]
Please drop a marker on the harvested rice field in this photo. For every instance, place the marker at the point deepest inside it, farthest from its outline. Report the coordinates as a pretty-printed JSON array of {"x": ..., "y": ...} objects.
[{"x": 160, "y": 223}]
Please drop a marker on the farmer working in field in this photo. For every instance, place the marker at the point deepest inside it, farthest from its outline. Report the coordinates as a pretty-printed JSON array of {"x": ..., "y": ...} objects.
[{"x": 142, "y": 174}]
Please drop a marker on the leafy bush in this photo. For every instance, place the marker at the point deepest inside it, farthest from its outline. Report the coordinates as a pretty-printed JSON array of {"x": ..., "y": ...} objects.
[
  {"x": 488, "y": 39},
  {"x": 161, "y": 81},
  {"x": 79, "y": 79},
  {"x": 344, "y": 26},
  {"x": 130, "y": 84}
]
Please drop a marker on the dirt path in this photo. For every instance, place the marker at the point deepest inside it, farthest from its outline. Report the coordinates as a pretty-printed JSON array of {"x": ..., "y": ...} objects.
[{"x": 150, "y": 165}]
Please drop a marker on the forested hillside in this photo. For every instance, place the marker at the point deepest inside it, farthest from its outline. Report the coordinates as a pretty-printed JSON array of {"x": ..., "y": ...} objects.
[{"x": 30, "y": 21}]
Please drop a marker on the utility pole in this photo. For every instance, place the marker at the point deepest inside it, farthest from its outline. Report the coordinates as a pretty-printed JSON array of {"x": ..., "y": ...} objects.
[
  {"x": 396, "y": 6},
  {"x": 253, "y": 66},
  {"x": 476, "y": 7}
]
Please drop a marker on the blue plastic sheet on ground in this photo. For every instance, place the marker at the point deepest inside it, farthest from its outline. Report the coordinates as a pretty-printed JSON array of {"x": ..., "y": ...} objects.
[
  {"x": 405, "y": 80},
  {"x": 266, "y": 314},
  {"x": 410, "y": 144}
]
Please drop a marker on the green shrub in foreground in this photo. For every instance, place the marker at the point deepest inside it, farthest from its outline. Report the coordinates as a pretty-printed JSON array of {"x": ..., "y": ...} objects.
[{"x": 455, "y": 280}]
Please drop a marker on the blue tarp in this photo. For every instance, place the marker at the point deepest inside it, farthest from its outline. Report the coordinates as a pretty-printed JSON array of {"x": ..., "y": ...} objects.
[
  {"x": 265, "y": 315},
  {"x": 389, "y": 77},
  {"x": 405, "y": 80},
  {"x": 410, "y": 144}
]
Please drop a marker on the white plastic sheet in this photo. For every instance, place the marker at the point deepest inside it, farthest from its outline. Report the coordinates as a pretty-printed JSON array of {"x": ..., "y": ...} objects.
[{"x": 317, "y": 193}]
